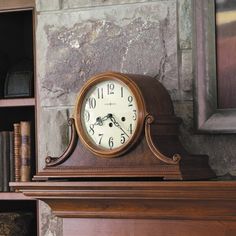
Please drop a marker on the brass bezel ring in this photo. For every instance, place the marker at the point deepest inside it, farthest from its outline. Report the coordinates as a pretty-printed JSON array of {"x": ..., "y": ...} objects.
[{"x": 83, "y": 136}]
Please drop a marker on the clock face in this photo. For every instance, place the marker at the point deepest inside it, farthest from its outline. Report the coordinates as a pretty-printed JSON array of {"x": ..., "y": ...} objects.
[{"x": 109, "y": 114}]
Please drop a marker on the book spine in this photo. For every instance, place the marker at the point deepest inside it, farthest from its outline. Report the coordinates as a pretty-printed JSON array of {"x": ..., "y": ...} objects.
[
  {"x": 25, "y": 151},
  {"x": 6, "y": 161},
  {"x": 17, "y": 151},
  {"x": 11, "y": 157},
  {"x": 1, "y": 162}
]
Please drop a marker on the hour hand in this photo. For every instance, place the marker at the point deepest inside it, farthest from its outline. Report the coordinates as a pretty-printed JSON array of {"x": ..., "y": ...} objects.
[
  {"x": 99, "y": 120},
  {"x": 109, "y": 115}
]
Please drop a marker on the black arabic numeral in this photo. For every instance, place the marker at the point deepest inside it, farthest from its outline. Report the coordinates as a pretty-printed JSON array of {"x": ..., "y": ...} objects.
[
  {"x": 130, "y": 100},
  {"x": 91, "y": 129},
  {"x": 135, "y": 115},
  {"x": 130, "y": 129},
  {"x": 122, "y": 139},
  {"x": 92, "y": 103},
  {"x": 100, "y": 93},
  {"x": 111, "y": 142},
  {"x": 122, "y": 92},
  {"x": 86, "y": 115},
  {"x": 110, "y": 88},
  {"x": 100, "y": 140}
]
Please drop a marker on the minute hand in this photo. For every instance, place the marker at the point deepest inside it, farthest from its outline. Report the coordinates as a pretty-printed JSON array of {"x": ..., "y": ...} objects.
[{"x": 117, "y": 124}]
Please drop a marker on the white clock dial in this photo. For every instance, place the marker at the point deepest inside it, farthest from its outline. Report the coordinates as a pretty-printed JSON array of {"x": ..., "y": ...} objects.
[{"x": 109, "y": 114}]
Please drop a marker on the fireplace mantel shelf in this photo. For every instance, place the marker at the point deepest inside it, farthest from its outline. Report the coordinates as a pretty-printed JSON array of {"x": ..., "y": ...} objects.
[{"x": 210, "y": 200}]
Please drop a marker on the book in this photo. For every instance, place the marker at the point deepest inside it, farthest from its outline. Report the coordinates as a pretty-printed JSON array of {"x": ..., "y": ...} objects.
[
  {"x": 17, "y": 151},
  {"x": 25, "y": 151},
  {"x": 11, "y": 159},
  {"x": 16, "y": 223},
  {"x": 6, "y": 160},
  {"x": 1, "y": 163}
]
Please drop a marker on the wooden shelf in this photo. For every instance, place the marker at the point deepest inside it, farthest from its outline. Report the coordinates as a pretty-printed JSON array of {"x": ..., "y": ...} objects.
[
  {"x": 13, "y": 196},
  {"x": 17, "y": 102},
  {"x": 139, "y": 208},
  {"x": 211, "y": 200}
]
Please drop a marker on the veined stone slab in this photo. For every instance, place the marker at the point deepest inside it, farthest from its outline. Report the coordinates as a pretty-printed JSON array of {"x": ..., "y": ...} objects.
[
  {"x": 48, "y": 5},
  {"x": 50, "y": 225},
  {"x": 186, "y": 78},
  {"x": 73, "y": 46},
  {"x": 92, "y": 3},
  {"x": 185, "y": 23},
  {"x": 221, "y": 149}
]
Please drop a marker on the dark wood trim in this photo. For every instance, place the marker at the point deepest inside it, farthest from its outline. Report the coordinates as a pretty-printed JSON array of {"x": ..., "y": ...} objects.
[
  {"x": 13, "y": 196},
  {"x": 209, "y": 118},
  {"x": 211, "y": 200},
  {"x": 11, "y": 5},
  {"x": 17, "y": 102}
]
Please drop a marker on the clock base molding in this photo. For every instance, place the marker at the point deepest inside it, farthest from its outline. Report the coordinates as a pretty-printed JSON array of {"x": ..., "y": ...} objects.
[
  {"x": 77, "y": 162},
  {"x": 164, "y": 172}
]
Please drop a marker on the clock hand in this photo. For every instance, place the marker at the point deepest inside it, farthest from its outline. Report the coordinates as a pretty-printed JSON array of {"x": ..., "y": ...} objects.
[
  {"x": 112, "y": 118},
  {"x": 106, "y": 117},
  {"x": 99, "y": 121}
]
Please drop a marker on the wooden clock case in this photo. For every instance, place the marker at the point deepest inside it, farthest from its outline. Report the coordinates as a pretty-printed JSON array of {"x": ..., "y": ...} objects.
[{"x": 157, "y": 153}]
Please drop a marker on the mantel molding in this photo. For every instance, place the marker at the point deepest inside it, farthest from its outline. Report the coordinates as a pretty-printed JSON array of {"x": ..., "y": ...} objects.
[{"x": 211, "y": 200}]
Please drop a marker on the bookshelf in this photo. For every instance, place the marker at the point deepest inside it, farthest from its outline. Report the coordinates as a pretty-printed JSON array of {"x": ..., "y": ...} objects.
[
  {"x": 13, "y": 196},
  {"x": 23, "y": 102},
  {"x": 17, "y": 92}
]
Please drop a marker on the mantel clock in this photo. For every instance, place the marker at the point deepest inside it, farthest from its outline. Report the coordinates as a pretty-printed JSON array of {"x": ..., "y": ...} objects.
[{"x": 124, "y": 126}]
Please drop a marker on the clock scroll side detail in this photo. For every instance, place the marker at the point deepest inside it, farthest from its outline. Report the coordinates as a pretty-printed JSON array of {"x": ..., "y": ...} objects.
[{"x": 154, "y": 152}]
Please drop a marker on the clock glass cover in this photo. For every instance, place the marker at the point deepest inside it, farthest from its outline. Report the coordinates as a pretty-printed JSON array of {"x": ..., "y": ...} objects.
[{"x": 109, "y": 114}]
